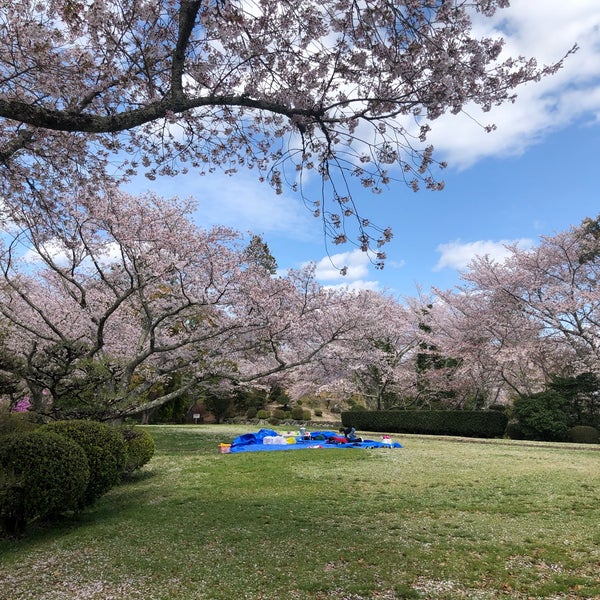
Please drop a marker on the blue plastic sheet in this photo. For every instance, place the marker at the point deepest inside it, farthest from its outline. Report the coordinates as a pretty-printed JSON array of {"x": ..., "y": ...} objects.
[{"x": 254, "y": 442}]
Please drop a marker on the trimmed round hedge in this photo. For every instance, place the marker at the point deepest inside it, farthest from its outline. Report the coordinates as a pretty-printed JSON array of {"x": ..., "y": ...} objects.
[
  {"x": 584, "y": 434},
  {"x": 140, "y": 448},
  {"x": 105, "y": 449},
  {"x": 41, "y": 474}
]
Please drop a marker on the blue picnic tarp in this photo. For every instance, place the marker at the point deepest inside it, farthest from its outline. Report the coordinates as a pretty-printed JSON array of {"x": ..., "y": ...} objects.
[{"x": 254, "y": 442}]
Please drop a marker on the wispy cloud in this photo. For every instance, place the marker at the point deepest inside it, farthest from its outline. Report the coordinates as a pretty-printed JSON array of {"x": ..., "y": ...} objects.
[
  {"x": 246, "y": 204},
  {"x": 458, "y": 255},
  {"x": 240, "y": 201}
]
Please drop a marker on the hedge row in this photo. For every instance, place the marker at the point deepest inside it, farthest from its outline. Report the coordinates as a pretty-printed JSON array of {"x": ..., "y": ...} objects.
[{"x": 467, "y": 423}]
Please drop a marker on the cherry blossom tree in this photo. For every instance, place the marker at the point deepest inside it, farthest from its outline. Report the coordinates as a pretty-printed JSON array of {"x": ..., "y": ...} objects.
[
  {"x": 106, "y": 307},
  {"x": 475, "y": 353},
  {"x": 513, "y": 328},
  {"x": 531, "y": 317},
  {"x": 554, "y": 287},
  {"x": 374, "y": 361},
  {"x": 384, "y": 357},
  {"x": 98, "y": 90}
]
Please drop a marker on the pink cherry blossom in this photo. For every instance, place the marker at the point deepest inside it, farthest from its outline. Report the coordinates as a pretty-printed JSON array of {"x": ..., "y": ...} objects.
[{"x": 127, "y": 293}]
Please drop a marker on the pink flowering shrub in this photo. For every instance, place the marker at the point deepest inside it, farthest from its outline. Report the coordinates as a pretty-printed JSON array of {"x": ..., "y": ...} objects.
[{"x": 22, "y": 405}]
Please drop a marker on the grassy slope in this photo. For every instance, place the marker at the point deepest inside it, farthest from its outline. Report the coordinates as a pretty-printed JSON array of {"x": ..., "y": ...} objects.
[{"x": 436, "y": 519}]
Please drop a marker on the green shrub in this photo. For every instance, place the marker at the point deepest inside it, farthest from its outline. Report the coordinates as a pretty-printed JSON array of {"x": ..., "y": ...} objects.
[
  {"x": 278, "y": 413},
  {"x": 41, "y": 474},
  {"x": 468, "y": 423},
  {"x": 306, "y": 414},
  {"x": 105, "y": 449},
  {"x": 21, "y": 422},
  {"x": 251, "y": 412},
  {"x": 583, "y": 434},
  {"x": 318, "y": 412},
  {"x": 513, "y": 431},
  {"x": 263, "y": 414},
  {"x": 542, "y": 416},
  {"x": 140, "y": 448},
  {"x": 297, "y": 413}
]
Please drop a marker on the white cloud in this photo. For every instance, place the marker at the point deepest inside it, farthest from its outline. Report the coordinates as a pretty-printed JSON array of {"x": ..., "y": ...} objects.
[
  {"x": 246, "y": 204},
  {"x": 52, "y": 248},
  {"x": 356, "y": 286},
  {"x": 55, "y": 250},
  {"x": 358, "y": 265},
  {"x": 360, "y": 271},
  {"x": 458, "y": 255},
  {"x": 356, "y": 262},
  {"x": 394, "y": 264},
  {"x": 570, "y": 95}
]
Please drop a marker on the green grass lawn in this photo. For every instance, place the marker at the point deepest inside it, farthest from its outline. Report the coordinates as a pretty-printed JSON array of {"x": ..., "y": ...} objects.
[{"x": 436, "y": 519}]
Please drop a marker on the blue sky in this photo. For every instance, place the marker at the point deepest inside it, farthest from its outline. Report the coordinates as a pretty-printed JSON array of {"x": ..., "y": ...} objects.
[{"x": 537, "y": 174}]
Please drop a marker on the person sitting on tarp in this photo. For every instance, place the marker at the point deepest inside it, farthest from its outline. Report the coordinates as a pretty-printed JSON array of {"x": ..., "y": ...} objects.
[{"x": 349, "y": 434}]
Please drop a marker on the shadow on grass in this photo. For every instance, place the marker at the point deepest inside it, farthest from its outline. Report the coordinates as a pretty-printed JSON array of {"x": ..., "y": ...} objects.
[{"x": 117, "y": 499}]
